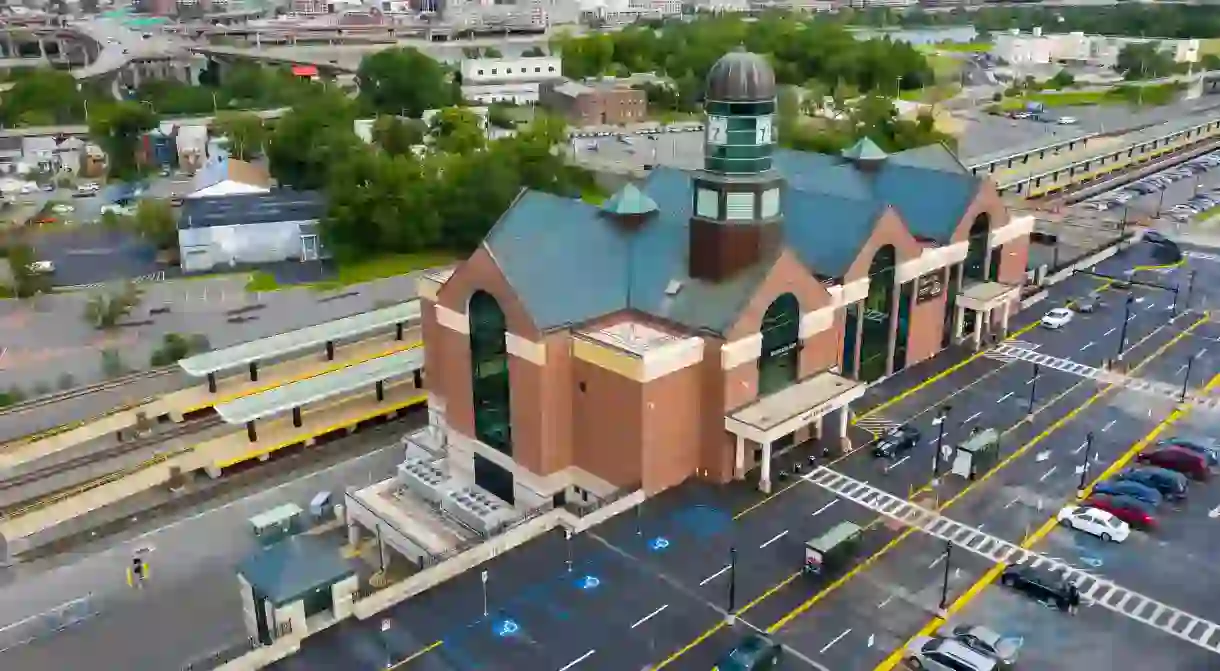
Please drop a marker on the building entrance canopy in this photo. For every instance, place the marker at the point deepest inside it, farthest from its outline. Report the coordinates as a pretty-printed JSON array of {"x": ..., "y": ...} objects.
[
  {"x": 984, "y": 298},
  {"x": 788, "y": 410}
]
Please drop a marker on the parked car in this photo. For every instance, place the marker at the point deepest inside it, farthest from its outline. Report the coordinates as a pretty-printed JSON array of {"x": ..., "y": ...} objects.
[
  {"x": 1130, "y": 488},
  {"x": 754, "y": 653},
  {"x": 987, "y": 641},
  {"x": 1180, "y": 459},
  {"x": 1128, "y": 509},
  {"x": 1096, "y": 522},
  {"x": 1042, "y": 584},
  {"x": 1204, "y": 446},
  {"x": 1155, "y": 237},
  {"x": 937, "y": 653},
  {"x": 896, "y": 441},
  {"x": 1171, "y": 484},
  {"x": 1057, "y": 318},
  {"x": 1088, "y": 305},
  {"x": 42, "y": 267}
]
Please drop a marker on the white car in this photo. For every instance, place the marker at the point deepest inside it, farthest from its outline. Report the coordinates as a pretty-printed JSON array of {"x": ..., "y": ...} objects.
[
  {"x": 945, "y": 654},
  {"x": 1057, "y": 318},
  {"x": 42, "y": 267},
  {"x": 1067, "y": 120},
  {"x": 1096, "y": 522}
]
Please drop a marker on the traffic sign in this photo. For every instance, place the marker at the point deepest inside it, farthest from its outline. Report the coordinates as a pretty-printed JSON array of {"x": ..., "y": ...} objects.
[
  {"x": 484, "y": 576},
  {"x": 386, "y": 623}
]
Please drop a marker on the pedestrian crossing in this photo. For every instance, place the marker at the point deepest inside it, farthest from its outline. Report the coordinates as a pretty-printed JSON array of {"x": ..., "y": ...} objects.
[
  {"x": 1202, "y": 256},
  {"x": 876, "y": 424},
  {"x": 1094, "y": 590},
  {"x": 1163, "y": 389},
  {"x": 147, "y": 278},
  {"x": 1004, "y": 354}
]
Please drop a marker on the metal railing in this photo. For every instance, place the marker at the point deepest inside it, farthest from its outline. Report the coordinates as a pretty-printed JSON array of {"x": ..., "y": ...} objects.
[
  {"x": 49, "y": 623},
  {"x": 218, "y": 658}
]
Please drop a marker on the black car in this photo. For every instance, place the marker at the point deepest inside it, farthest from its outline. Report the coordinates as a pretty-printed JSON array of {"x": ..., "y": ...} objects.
[
  {"x": 754, "y": 653},
  {"x": 897, "y": 440},
  {"x": 1043, "y": 585},
  {"x": 1155, "y": 237},
  {"x": 1166, "y": 252},
  {"x": 1171, "y": 484}
]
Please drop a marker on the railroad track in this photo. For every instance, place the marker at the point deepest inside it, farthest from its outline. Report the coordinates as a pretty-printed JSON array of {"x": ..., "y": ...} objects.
[
  {"x": 85, "y": 390},
  {"x": 99, "y": 456}
]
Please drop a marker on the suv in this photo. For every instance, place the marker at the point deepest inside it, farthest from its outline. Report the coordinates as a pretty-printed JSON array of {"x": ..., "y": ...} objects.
[
  {"x": 1043, "y": 585},
  {"x": 896, "y": 441},
  {"x": 945, "y": 654},
  {"x": 755, "y": 653}
]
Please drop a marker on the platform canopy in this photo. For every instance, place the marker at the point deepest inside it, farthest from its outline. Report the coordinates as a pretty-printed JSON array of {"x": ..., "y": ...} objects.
[
  {"x": 312, "y": 389},
  {"x": 321, "y": 387},
  {"x": 293, "y": 342}
]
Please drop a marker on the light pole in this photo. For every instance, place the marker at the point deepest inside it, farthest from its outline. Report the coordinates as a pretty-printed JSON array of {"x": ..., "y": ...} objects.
[
  {"x": 1122, "y": 335},
  {"x": 1186, "y": 378},
  {"x": 732, "y": 580},
  {"x": 483, "y": 576},
  {"x": 1190, "y": 287},
  {"x": 1033, "y": 387},
  {"x": 386, "y": 623},
  {"x": 1084, "y": 468},
  {"x": 944, "y": 586},
  {"x": 940, "y": 421},
  {"x": 567, "y": 537}
]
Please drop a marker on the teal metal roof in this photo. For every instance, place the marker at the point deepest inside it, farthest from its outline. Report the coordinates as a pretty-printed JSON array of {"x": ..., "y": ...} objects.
[
  {"x": 294, "y": 342},
  {"x": 293, "y": 568},
  {"x": 864, "y": 150},
  {"x": 629, "y": 201},
  {"x": 321, "y": 387}
]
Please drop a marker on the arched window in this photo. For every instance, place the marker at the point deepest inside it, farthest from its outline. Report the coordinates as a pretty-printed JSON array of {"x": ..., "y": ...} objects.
[
  {"x": 976, "y": 255},
  {"x": 778, "y": 363},
  {"x": 489, "y": 372},
  {"x": 878, "y": 320}
]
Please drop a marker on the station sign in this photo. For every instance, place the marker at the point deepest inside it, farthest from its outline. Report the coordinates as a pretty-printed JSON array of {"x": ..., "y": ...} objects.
[{"x": 930, "y": 286}]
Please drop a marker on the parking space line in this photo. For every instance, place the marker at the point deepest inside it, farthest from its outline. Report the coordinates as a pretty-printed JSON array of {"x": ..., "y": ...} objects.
[
  {"x": 578, "y": 660},
  {"x": 1005, "y": 397},
  {"x": 836, "y": 639},
  {"x": 715, "y": 575},
  {"x": 775, "y": 538},
  {"x": 823, "y": 509},
  {"x": 649, "y": 616}
]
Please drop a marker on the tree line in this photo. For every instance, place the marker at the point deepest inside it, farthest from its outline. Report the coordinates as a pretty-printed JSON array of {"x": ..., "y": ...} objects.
[{"x": 1131, "y": 19}]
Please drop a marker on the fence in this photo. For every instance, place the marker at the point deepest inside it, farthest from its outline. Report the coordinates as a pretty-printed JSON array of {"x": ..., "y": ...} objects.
[
  {"x": 49, "y": 623},
  {"x": 218, "y": 658}
]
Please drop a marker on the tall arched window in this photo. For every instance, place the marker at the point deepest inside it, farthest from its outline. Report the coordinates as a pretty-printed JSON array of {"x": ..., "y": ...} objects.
[
  {"x": 878, "y": 318},
  {"x": 778, "y": 363},
  {"x": 976, "y": 254},
  {"x": 489, "y": 372}
]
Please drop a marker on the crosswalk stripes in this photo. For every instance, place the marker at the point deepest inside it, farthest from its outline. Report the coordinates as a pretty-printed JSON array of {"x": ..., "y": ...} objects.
[
  {"x": 147, "y": 278},
  {"x": 1093, "y": 589},
  {"x": 876, "y": 424},
  {"x": 1202, "y": 256},
  {"x": 1001, "y": 352},
  {"x": 1163, "y": 389}
]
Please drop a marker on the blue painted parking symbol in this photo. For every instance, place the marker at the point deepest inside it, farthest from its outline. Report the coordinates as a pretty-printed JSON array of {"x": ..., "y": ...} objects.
[
  {"x": 505, "y": 628},
  {"x": 1088, "y": 560},
  {"x": 659, "y": 543},
  {"x": 589, "y": 582}
]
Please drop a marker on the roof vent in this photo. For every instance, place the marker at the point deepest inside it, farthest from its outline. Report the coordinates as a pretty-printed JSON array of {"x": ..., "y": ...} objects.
[
  {"x": 865, "y": 154},
  {"x": 629, "y": 206}
]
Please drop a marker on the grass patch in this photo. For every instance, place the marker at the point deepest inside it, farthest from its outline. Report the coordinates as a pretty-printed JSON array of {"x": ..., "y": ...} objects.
[
  {"x": 1125, "y": 94},
  {"x": 1210, "y": 45},
  {"x": 362, "y": 271},
  {"x": 945, "y": 68},
  {"x": 261, "y": 281},
  {"x": 958, "y": 47}
]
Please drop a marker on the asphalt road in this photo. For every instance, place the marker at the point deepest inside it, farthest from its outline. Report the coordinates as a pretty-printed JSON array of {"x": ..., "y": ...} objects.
[
  {"x": 191, "y": 604},
  {"x": 674, "y": 553}
]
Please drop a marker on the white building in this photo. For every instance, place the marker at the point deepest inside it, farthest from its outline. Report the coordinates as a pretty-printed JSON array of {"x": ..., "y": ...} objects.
[
  {"x": 1078, "y": 48},
  {"x": 489, "y": 80},
  {"x": 250, "y": 228}
]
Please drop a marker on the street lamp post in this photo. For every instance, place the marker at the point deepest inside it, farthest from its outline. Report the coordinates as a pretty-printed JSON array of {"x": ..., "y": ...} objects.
[
  {"x": 1084, "y": 468},
  {"x": 1186, "y": 378},
  {"x": 1033, "y": 387},
  {"x": 1122, "y": 334},
  {"x": 567, "y": 537},
  {"x": 944, "y": 586},
  {"x": 940, "y": 421},
  {"x": 386, "y": 623},
  {"x": 1190, "y": 287},
  {"x": 732, "y": 580}
]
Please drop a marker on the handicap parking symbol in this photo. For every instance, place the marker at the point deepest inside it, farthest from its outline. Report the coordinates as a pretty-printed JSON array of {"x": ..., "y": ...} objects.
[
  {"x": 589, "y": 582},
  {"x": 1088, "y": 560},
  {"x": 505, "y": 628},
  {"x": 659, "y": 543}
]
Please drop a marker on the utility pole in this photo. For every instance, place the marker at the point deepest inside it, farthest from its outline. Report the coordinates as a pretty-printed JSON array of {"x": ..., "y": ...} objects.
[
  {"x": 732, "y": 581},
  {"x": 1033, "y": 387},
  {"x": 1186, "y": 378},
  {"x": 567, "y": 537},
  {"x": 1084, "y": 468},
  {"x": 944, "y": 586},
  {"x": 1122, "y": 335},
  {"x": 940, "y": 421},
  {"x": 386, "y": 623},
  {"x": 483, "y": 576},
  {"x": 1190, "y": 287}
]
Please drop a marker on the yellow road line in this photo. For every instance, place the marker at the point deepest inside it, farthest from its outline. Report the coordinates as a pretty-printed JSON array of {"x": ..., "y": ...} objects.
[
  {"x": 417, "y": 654},
  {"x": 1029, "y": 541},
  {"x": 871, "y": 559}
]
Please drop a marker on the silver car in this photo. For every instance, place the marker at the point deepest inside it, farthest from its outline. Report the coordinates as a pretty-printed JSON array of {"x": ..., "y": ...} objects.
[
  {"x": 987, "y": 641},
  {"x": 946, "y": 654}
]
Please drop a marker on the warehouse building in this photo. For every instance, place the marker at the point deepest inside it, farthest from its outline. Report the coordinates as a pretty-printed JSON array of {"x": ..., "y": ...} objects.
[{"x": 250, "y": 228}]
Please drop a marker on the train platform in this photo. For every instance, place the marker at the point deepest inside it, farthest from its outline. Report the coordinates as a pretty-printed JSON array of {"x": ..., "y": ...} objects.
[{"x": 299, "y": 413}]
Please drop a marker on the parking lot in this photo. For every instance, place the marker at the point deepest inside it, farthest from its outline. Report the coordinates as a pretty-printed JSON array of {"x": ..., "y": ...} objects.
[{"x": 1179, "y": 193}]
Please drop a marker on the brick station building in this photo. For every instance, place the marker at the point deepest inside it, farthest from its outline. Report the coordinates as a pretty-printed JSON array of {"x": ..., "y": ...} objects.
[{"x": 699, "y": 323}]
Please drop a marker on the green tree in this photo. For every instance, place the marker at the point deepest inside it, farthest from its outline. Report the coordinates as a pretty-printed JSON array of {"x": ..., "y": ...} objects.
[
  {"x": 1145, "y": 60},
  {"x": 26, "y": 281},
  {"x": 112, "y": 363},
  {"x": 492, "y": 52},
  {"x": 1062, "y": 79},
  {"x": 380, "y": 202},
  {"x": 117, "y": 129},
  {"x": 155, "y": 222},
  {"x": 175, "y": 347},
  {"x": 245, "y": 131},
  {"x": 533, "y": 52},
  {"x": 311, "y": 141},
  {"x": 405, "y": 81},
  {"x": 397, "y": 136},
  {"x": 457, "y": 130},
  {"x": 42, "y": 98}
]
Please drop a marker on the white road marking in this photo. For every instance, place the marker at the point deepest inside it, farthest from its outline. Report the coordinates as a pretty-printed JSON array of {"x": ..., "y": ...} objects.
[
  {"x": 1005, "y": 397},
  {"x": 885, "y": 603},
  {"x": 971, "y": 418},
  {"x": 828, "y": 645},
  {"x": 896, "y": 464},
  {"x": 1111, "y": 331},
  {"x": 777, "y": 537},
  {"x": 578, "y": 660},
  {"x": 1150, "y": 306},
  {"x": 1082, "y": 446},
  {"x": 1011, "y": 504},
  {"x": 1214, "y": 512},
  {"x": 1087, "y": 345},
  {"x": 1201, "y": 352},
  {"x": 938, "y": 560},
  {"x": 1042, "y": 456},
  {"x": 1110, "y": 424},
  {"x": 1047, "y": 474},
  {"x": 715, "y": 575},
  {"x": 649, "y": 616},
  {"x": 1180, "y": 368},
  {"x": 821, "y": 510}
]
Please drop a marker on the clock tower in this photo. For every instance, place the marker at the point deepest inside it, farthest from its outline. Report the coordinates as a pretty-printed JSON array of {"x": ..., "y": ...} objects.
[{"x": 737, "y": 212}]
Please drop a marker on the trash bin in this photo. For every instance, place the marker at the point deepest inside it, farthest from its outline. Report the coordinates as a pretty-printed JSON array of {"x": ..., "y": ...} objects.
[{"x": 319, "y": 505}]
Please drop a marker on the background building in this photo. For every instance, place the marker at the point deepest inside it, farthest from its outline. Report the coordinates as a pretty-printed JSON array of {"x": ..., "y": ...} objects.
[
  {"x": 517, "y": 80},
  {"x": 701, "y": 323},
  {"x": 250, "y": 228},
  {"x": 1078, "y": 48},
  {"x": 594, "y": 103}
]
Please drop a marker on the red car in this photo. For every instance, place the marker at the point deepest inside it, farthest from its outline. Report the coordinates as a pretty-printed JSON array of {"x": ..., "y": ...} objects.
[
  {"x": 1189, "y": 463},
  {"x": 1128, "y": 509}
]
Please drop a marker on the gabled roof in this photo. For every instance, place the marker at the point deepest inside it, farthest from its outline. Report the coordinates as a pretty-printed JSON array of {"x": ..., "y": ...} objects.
[
  {"x": 288, "y": 570},
  {"x": 864, "y": 150},
  {"x": 569, "y": 263}
]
